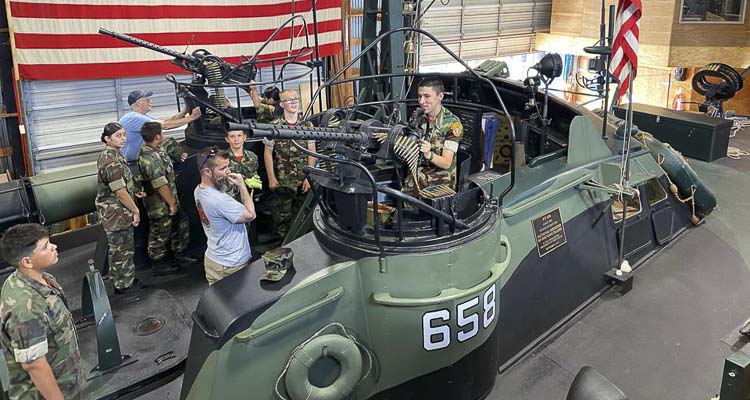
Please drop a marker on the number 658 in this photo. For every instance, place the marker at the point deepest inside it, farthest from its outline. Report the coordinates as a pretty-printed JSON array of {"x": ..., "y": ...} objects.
[{"x": 436, "y": 330}]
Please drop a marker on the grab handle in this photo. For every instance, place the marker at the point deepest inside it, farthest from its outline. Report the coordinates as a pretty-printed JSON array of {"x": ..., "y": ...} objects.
[
  {"x": 253, "y": 333},
  {"x": 449, "y": 294},
  {"x": 198, "y": 321}
]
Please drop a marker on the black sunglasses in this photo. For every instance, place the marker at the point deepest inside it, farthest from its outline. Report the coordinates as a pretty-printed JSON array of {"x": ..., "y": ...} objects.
[{"x": 211, "y": 153}]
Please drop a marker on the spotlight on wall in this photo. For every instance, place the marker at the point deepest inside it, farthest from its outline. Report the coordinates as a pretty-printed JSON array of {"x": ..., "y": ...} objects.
[{"x": 550, "y": 66}]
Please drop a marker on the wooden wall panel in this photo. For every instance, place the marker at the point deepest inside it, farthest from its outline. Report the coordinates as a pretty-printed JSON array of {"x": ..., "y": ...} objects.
[
  {"x": 664, "y": 41},
  {"x": 567, "y": 17},
  {"x": 719, "y": 35}
]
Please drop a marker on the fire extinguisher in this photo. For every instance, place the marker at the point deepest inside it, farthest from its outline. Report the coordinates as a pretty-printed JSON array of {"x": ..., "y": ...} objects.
[{"x": 678, "y": 102}]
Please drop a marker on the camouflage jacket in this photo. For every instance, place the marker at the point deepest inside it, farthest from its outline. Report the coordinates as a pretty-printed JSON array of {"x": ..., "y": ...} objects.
[
  {"x": 288, "y": 160},
  {"x": 265, "y": 113},
  {"x": 36, "y": 322},
  {"x": 172, "y": 148},
  {"x": 247, "y": 168},
  {"x": 444, "y": 133},
  {"x": 156, "y": 170},
  {"x": 113, "y": 174}
]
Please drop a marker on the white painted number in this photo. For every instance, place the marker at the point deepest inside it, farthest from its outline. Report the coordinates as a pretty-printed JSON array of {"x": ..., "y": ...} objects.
[
  {"x": 436, "y": 330},
  {"x": 463, "y": 320},
  {"x": 489, "y": 307},
  {"x": 443, "y": 332}
]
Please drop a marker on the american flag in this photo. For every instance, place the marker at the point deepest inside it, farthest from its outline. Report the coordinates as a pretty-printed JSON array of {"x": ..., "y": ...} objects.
[
  {"x": 625, "y": 43},
  {"x": 58, "y": 39}
]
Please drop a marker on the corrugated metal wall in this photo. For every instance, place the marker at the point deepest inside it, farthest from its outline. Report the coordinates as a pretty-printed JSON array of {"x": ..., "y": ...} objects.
[
  {"x": 65, "y": 118},
  {"x": 480, "y": 29}
]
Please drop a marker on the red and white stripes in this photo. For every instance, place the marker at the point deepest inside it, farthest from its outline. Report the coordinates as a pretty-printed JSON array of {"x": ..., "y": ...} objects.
[
  {"x": 58, "y": 39},
  {"x": 625, "y": 43}
]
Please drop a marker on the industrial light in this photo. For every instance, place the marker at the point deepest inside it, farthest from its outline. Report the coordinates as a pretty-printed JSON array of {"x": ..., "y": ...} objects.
[{"x": 550, "y": 66}]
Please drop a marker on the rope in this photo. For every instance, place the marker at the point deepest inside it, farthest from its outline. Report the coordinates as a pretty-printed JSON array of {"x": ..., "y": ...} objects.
[
  {"x": 736, "y": 153},
  {"x": 676, "y": 192},
  {"x": 344, "y": 333}
]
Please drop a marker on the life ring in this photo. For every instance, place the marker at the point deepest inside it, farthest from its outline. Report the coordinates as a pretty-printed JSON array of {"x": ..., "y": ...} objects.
[
  {"x": 684, "y": 182},
  {"x": 341, "y": 348}
]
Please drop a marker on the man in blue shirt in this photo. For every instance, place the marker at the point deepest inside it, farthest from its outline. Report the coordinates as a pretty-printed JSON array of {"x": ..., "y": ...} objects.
[
  {"x": 140, "y": 104},
  {"x": 223, "y": 218}
]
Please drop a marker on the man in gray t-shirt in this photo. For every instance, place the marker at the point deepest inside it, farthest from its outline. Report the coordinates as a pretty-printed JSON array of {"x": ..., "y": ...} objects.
[{"x": 223, "y": 217}]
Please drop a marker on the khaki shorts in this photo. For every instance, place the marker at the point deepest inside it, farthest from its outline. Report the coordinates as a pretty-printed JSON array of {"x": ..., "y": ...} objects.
[{"x": 216, "y": 271}]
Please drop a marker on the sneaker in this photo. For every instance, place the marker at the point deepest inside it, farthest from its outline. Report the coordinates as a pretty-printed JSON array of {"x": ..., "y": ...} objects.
[
  {"x": 745, "y": 330},
  {"x": 185, "y": 259},
  {"x": 160, "y": 268},
  {"x": 135, "y": 287}
]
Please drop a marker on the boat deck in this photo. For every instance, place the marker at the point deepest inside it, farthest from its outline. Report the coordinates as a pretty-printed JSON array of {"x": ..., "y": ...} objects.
[{"x": 669, "y": 336}]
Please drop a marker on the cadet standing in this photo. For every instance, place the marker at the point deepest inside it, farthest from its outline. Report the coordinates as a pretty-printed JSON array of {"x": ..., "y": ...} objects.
[
  {"x": 443, "y": 131},
  {"x": 38, "y": 334},
  {"x": 118, "y": 213},
  {"x": 284, "y": 163},
  {"x": 241, "y": 160},
  {"x": 167, "y": 222}
]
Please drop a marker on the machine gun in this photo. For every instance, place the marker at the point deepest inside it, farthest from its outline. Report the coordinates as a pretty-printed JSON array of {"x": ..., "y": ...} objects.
[
  {"x": 206, "y": 67},
  {"x": 365, "y": 142}
]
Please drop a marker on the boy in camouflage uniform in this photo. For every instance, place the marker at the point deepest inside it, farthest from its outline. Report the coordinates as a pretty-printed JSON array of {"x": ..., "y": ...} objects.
[
  {"x": 173, "y": 150},
  {"x": 118, "y": 213},
  {"x": 443, "y": 131},
  {"x": 241, "y": 161},
  {"x": 38, "y": 335},
  {"x": 285, "y": 176},
  {"x": 265, "y": 108},
  {"x": 167, "y": 222}
]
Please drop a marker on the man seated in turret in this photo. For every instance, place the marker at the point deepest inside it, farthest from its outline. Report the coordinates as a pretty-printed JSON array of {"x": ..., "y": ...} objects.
[{"x": 440, "y": 133}]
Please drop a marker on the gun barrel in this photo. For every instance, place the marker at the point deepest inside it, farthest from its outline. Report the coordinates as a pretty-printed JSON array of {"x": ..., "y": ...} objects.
[
  {"x": 297, "y": 132},
  {"x": 148, "y": 45}
]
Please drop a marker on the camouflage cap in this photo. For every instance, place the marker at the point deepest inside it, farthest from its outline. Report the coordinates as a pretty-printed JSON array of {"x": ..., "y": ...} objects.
[{"x": 278, "y": 261}]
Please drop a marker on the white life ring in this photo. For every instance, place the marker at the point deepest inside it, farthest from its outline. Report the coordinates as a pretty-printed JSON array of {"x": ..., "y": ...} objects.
[{"x": 343, "y": 349}]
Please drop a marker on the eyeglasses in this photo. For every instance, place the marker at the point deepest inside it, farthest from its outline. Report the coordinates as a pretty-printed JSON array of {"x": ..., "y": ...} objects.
[
  {"x": 211, "y": 153},
  {"x": 292, "y": 101}
]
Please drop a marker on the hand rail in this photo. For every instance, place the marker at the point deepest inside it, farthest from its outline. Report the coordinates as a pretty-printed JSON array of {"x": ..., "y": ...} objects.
[
  {"x": 253, "y": 333},
  {"x": 452, "y": 293}
]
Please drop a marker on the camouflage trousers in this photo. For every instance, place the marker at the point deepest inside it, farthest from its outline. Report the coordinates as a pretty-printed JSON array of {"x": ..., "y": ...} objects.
[
  {"x": 162, "y": 231},
  {"x": 121, "y": 250},
  {"x": 288, "y": 203}
]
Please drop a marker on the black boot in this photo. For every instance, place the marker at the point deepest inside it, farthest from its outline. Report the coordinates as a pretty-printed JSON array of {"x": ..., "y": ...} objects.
[
  {"x": 135, "y": 287},
  {"x": 160, "y": 268},
  {"x": 185, "y": 259}
]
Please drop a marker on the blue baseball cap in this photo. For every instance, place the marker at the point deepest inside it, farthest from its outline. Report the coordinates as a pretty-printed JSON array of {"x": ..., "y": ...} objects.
[{"x": 136, "y": 95}]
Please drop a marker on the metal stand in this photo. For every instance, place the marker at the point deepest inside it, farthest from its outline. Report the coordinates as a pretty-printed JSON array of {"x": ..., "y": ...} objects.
[
  {"x": 95, "y": 306},
  {"x": 623, "y": 283},
  {"x": 735, "y": 381}
]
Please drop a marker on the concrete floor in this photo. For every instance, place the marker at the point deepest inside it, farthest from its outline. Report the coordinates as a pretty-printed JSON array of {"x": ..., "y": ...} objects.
[{"x": 663, "y": 340}]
